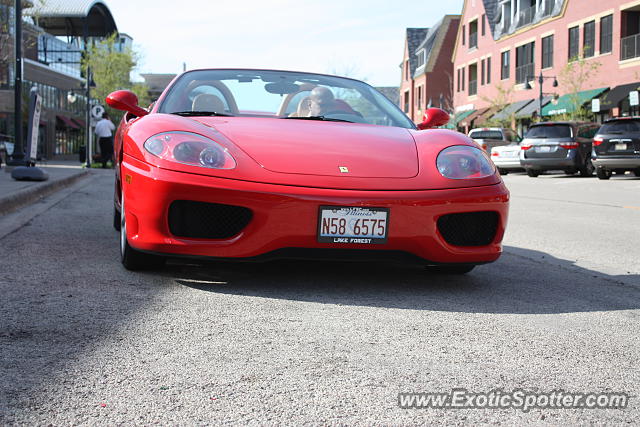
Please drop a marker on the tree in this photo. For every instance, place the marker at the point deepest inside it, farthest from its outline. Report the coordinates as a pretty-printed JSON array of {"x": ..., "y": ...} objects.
[
  {"x": 573, "y": 77},
  {"x": 111, "y": 71},
  {"x": 499, "y": 103}
]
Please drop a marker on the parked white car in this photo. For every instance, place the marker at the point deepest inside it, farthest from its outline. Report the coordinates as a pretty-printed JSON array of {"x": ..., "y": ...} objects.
[{"x": 506, "y": 158}]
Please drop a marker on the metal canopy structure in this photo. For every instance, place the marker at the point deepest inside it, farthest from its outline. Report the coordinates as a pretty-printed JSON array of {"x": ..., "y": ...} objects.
[{"x": 77, "y": 18}]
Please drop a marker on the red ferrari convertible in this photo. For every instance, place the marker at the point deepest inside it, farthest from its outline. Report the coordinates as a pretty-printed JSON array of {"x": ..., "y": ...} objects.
[{"x": 261, "y": 164}]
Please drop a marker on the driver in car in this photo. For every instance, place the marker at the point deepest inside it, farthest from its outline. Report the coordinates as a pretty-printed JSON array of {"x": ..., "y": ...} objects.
[{"x": 323, "y": 102}]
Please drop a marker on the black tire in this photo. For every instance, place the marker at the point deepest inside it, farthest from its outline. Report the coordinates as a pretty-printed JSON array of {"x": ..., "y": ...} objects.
[
  {"x": 116, "y": 219},
  {"x": 603, "y": 173},
  {"x": 503, "y": 171},
  {"x": 569, "y": 171},
  {"x": 532, "y": 173},
  {"x": 587, "y": 168},
  {"x": 132, "y": 259},
  {"x": 458, "y": 269},
  {"x": 636, "y": 172}
]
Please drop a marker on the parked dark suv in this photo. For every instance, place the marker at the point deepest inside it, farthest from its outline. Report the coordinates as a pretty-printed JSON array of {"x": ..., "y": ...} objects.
[
  {"x": 616, "y": 147},
  {"x": 562, "y": 146}
]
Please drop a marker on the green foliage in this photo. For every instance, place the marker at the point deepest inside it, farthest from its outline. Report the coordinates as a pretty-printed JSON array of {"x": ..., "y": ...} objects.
[
  {"x": 111, "y": 71},
  {"x": 499, "y": 102},
  {"x": 573, "y": 77}
]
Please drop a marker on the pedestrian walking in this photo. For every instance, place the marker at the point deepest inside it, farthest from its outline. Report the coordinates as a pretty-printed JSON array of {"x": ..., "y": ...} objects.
[{"x": 104, "y": 132}]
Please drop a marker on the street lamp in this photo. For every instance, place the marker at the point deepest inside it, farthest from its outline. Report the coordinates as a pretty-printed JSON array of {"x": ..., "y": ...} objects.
[{"x": 541, "y": 80}]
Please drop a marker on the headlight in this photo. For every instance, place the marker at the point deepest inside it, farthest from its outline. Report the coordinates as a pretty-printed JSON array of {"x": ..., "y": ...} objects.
[
  {"x": 189, "y": 149},
  {"x": 464, "y": 162}
]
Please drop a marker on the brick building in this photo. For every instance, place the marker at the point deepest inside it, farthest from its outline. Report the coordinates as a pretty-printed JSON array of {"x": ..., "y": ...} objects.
[
  {"x": 503, "y": 46},
  {"x": 54, "y": 34},
  {"x": 426, "y": 67}
]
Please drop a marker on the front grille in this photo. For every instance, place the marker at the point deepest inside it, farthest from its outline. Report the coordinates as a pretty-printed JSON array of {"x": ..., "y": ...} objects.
[
  {"x": 469, "y": 228},
  {"x": 207, "y": 220}
]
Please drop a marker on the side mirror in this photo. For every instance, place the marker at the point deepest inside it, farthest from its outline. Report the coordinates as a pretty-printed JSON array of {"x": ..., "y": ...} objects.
[
  {"x": 126, "y": 100},
  {"x": 434, "y": 117}
]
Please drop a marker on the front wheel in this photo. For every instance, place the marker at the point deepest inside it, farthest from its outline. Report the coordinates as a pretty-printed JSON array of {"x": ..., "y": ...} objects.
[
  {"x": 636, "y": 172},
  {"x": 532, "y": 173},
  {"x": 503, "y": 171},
  {"x": 450, "y": 269},
  {"x": 132, "y": 259},
  {"x": 603, "y": 173},
  {"x": 116, "y": 219}
]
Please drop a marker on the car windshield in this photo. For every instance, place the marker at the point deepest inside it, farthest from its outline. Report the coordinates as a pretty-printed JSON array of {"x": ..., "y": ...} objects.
[
  {"x": 280, "y": 94},
  {"x": 549, "y": 131},
  {"x": 486, "y": 134},
  {"x": 620, "y": 126}
]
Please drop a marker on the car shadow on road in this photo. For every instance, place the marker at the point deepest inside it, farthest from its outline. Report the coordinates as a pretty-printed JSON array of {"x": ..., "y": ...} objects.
[{"x": 523, "y": 281}]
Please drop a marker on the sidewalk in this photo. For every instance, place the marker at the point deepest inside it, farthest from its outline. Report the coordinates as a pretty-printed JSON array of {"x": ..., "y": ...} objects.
[{"x": 15, "y": 194}]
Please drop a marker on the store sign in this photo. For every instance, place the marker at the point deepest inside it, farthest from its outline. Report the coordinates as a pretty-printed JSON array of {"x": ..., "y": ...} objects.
[
  {"x": 633, "y": 98},
  {"x": 595, "y": 105},
  {"x": 35, "y": 108}
]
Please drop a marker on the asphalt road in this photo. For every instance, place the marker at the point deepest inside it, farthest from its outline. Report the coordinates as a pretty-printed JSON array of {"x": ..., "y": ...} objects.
[{"x": 82, "y": 341}]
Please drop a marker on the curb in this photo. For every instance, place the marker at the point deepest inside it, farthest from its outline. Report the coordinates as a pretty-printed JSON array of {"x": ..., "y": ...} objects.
[{"x": 28, "y": 196}]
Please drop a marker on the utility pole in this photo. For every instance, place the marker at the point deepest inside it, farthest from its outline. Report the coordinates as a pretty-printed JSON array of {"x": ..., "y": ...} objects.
[{"x": 18, "y": 149}]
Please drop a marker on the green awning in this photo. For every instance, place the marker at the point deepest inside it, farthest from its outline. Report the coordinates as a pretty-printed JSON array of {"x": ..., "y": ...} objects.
[
  {"x": 567, "y": 103},
  {"x": 511, "y": 110},
  {"x": 461, "y": 116}
]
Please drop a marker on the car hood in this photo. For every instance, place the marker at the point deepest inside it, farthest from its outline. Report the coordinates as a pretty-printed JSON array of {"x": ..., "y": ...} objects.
[{"x": 321, "y": 147}]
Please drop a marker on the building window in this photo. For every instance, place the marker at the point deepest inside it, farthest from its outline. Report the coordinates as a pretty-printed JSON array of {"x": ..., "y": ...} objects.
[
  {"x": 484, "y": 25},
  {"x": 458, "y": 80},
  {"x": 574, "y": 43},
  {"x": 419, "y": 98},
  {"x": 464, "y": 35},
  {"x": 589, "y": 39},
  {"x": 488, "y": 70},
  {"x": 606, "y": 34},
  {"x": 420, "y": 58},
  {"x": 547, "y": 52},
  {"x": 482, "y": 72},
  {"x": 505, "y": 66},
  {"x": 406, "y": 70},
  {"x": 525, "y": 62},
  {"x": 473, "y": 34},
  {"x": 473, "y": 79},
  {"x": 406, "y": 101},
  {"x": 462, "y": 78}
]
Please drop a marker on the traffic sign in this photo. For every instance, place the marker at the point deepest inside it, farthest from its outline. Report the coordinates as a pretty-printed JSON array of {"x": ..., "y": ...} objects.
[{"x": 97, "y": 111}]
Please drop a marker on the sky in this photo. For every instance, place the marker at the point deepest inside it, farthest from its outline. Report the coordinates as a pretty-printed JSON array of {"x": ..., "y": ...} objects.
[{"x": 360, "y": 39}]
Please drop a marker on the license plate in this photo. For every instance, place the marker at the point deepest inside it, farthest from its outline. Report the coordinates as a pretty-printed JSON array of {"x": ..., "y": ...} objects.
[
  {"x": 543, "y": 149},
  {"x": 511, "y": 154},
  {"x": 347, "y": 224},
  {"x": 621, "y": 147}
]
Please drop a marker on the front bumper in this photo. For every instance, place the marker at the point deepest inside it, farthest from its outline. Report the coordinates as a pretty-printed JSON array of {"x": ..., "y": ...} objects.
[
  {"x": 629, "y": 162},
  {"x": 286, "y": 217}
]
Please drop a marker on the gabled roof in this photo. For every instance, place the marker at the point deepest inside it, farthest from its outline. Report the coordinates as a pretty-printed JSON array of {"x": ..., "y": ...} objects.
[
  {"x": 491, "y": 10},
  {"x": 73, "y": 17},
  {"x": 414, "y": 37},
  {"x": 433, "y": 41}
]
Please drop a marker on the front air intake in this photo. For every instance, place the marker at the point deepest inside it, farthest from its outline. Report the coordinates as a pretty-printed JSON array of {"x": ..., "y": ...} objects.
[
  {"x": 202, "y": 220},
  {"x": 469, "y": 228}
]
